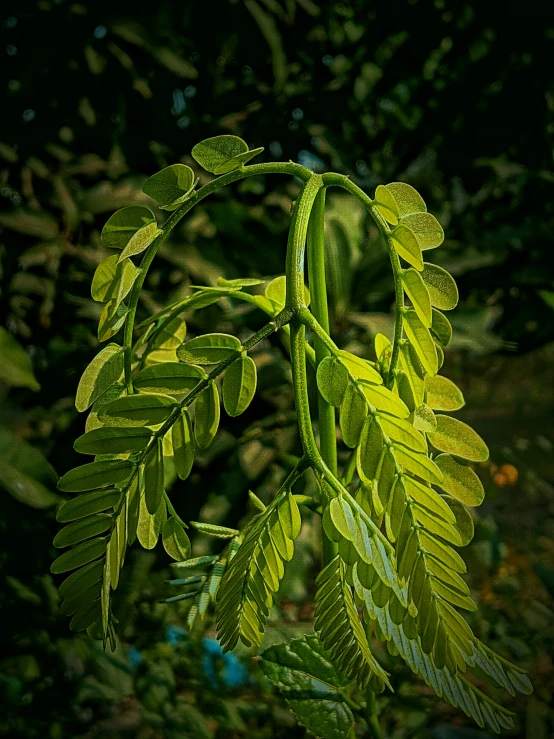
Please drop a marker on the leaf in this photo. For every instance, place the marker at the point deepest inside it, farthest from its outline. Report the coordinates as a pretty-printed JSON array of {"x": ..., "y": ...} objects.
[
  {"x": 95, "y": 475},
  {"x": 402, "y": 431},
  {"x": 154, "y": 477},
  {"x": 206, "y": 419},
  {"x": 80, "y": 555},
  {"x": 421, "y": 340},
  {"x": 353, "y": 412},
  {"x": 137, "y": 410},
  {"x": 183, "y": 445},
  {"x": 125, "y": 224},
  {"x": 171, "y": 378},
  {"x": 171, "y": 187},
  {"x": 111, "y": 320},
  {"x": 149, "y": 526},
  {"x": 82, "y": 579},
  {"x": 110, "y": 440},
  {"x": 113, "y": 280},
  {"x": 15, "y": 366},
  {"x": 418, "y": 464},
  {"x": 386, "y": 204},
  {"x": 384, "y": 400},
  {"x": 78, "y": 531},
  {"x": 87, "y": 505},
  {"x": 455, "y": 437},
  {"x": 239, "y": 385},
  {"x": 359, "y": 368},
  {"x": 407, "y": 199},
  {"x": 424, "y": 419},
  {"x": 212, "y": 529},
  {"x": 460, "y": 481},
  {"x": 441, "y": 286},
  {"x": 86, "y": 617},
  {"x": 332, "y": 380},
  {"x": 140, "y": 241},
  {"x": 426, "y": 228},
  {"x": 370, "y": 449},
  {"x": 25, "y": 488},
  {"x": 441, "y": 328},
  {"x": 464, "y": 521},
  {"x": 239, "y": 282},
  {"x": 442, "y": 394},
  {"x": 426, "y": 496},
  {"x": 302, "y": 670},
  {"x": 417, "y": 292},
  {"x": 176, "y": 542},
  {"x": 222, "y": 154},
  {"x": 415, "y": 373},
  {"x": 209, "y": 349},
  {"x": 406, "y": 244}
]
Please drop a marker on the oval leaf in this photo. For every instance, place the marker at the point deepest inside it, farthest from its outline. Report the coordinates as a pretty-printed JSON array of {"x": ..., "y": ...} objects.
[
  {"x": 105, "y": 369},
  {"x": 81, "y": 555},
  {"x": 176, "y": 542},
  {"x": 443, "y": 291},
  {"x": 454, "y": 437},
  {"x": 239, "y": 385},
  {"x": 417, "y": 292},
  {"x": 406, "y": 244},
  {"x": 78, "y": 531},
  {"x": 137, "y": 410},
  {"x": 170, "y": 187},
  {"x": 87, "y": 505},
  {"x": 220, "y": 154},
  {"x": 110, "y": 440},
  {"x": 460, "y": 481},
  {"x": 426, "y": 228},
  {"x": 183, "y": 445},
  {"x": 154, "y": 477},
  {"x": 209, "y": 349},
  {"x": 171, "y": 378},
  {"x": 422, "y": 341},
  {"x": 124, "y": 224},
  {"x": 95, "y": 475},
  {"x": 206, "y": 420},
  {"x": 353, "y": 412},
  {"x": 442, "y": 394},
  {"x": 332, "y": 380}
]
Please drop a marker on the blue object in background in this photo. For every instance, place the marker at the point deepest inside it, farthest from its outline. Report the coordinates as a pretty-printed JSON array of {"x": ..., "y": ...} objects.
[{"x": 234, "y": 673}]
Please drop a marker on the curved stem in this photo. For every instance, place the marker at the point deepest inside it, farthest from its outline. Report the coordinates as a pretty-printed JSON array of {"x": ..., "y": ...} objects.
[
  {"x": 371, "y": 714},
  {"x": 289, "y": 168},
  {"x": 332, "y": 179},
  {"x": 318, "y": 304}
]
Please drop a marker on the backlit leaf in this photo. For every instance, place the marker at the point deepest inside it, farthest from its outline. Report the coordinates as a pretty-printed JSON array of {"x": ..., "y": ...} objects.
[
  {"x": 455, "y": 437},
  {"x": 332, "y": 380},
  {"x": 112, "y": 319},
  {"x": 222, "y": 154},
  {"x": 176, "y": 542},
  {"x": 384, "y": 400},
  {"x": 87, "y": 505},
  {"x": 124, "y": 224},
  {"x": 113, "y": 280},
  {"x": 417, "y": 292},
  {"x": 154, "y": 477},
  {"x": 422, "y": 341},
  {"x": 407, "y": 245},
  {"x": 418, "y": 464},
  {"x": 441, "y": 286},
  {"x": 170, "y": 187},
  {"x": 441, "y": 328},
  {"x": 427, "y": 229},
  {"x": 150, "y": 526},
  {"x": 183, "y": 445},
  {"x": 386, "y": 204},
  {"x": 140, "y": 241},
  {"x": 171, "y": 378},
  {"x": 353, "y": 412},
  {"x": 359, "y": 368},
  {"x": 95, "y": 475},
  {"x": 407, "y": 198},
  {"x": 104, "y": 370},
  {"x": 460, "y": 481},
  {"x": 442, "y": 394},
  {"x": 110, "y": 440},
  {"x": 206, "y": 420},
  {"x": 402, "y": 431},
  {"x": 239, "y": 385},
  {"x": 209, "y": 349},
  {"x": 137, "y": 410}
]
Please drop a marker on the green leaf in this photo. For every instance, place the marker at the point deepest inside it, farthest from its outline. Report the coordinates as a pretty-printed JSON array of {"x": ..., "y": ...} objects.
[
  {"x": 212, "y": 529},
  {"x": 78, "y": 531},
  {"x": 418, "y": 464},
  {"x": 95, "y": 475},
  {"x": 113, "y": 280},
  {"x": 110, "y": 440},
  {"x": 176, "y": 542},
  {"x": 86, "y": 617},
  {"x": 87, "y": 505},
  {"x": 410, "y": 364},
  {"x": 407, "y": 198},
  {"x": 353, "y": 412},
  {"x": 209, "y": 349},
  {"x": 154, "y": 477},
  {"x": 402, "y": 431},
  {"x": 302, "y": 670},
  {"x": 149, "y": 526},
  {"x": 370, "y": 450},
  {"x": 171, "y": 187},
  {"x": 125, "y": 224},
  {"x": 384, "y": 400},
  {"x": 443, "y": 291},
  {"x": 386, "y": 204},
  {"x": 137, "y": 410},
  {"x": 460, "y": 481},
  {"x": 426, "y": 228},
  {"x": 359, "y": 368},
  {"x": 422, "y": 341},
  {"x": 239, "y": 282},
  {"x": 140, "y": 241},
  {"x": 332, "y": 380},
  {"x": 442, "y": 394},
  {"x": 15, "y": 366},
  {"x": 464, "y": 521},
  {"x": 81, "y": 579},
  {"x": 426, "y": 496},
  {"x": 80, "y": 555},
  {"x": 111, "y": 320},
  {"x": 222, "y": 154},
  {"x": 239, "y": 385},
  {"x": 406, "y": 244},
  {"x": 183, "y": 445},
  {"x": 170, "y": 378},
  {"x": 424, "y": 419},
  {"x": 417, "y": 292},
  {"x": 455, "y": 437},
  {"x": 206, "y": 419},
  {"x": 441, "y": 328}
]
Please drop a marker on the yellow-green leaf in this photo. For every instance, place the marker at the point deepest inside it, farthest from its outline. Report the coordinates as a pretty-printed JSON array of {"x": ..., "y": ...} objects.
[
  {"x": 170, "y": 378},
  {"x": 15, "y": 365},
  {"x": 171, "y": 186},
  {"x": 206, "y": 419},
  {"x": 332, "y": 380},
  {"x": 455, "y": 437},
  {"x": 417, "y": 292},
  {"x": 209, "y": 349},
  {"x": 144, "y": 409},
  {"x": 176, "y": 542},
  {"x": 407, "y": 246},
  {"x": 384, "y": 400},
  {"x": 386, "y": 204},
  {"x": 422, "y": 341},
  {"x": 426, "y": 228},
  {"x": 239, "y": 385},
  {"x": 353, "y": 412},
  {"x": 183, "y": 445},
  {"x": 442, "y": 394},
  {"x": 154, "y": 477},
  {"x": 122, "y": 226},
  {"x": 443, "y": 291},
  {"x": 221, "y": 154},
  {"x": 460, "y": 481},
  {"x": 104, "y": 370}
]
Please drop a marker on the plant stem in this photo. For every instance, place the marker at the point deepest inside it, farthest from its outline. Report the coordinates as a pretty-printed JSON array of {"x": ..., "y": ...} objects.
[
  {"x": 371, "y": 714},
  {"x": 256, "y": 169},
  {"x": 318, "y": 304}
]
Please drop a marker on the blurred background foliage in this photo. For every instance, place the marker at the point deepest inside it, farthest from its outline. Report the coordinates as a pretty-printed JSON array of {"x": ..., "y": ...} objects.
[{"x": 456, "y": 98}]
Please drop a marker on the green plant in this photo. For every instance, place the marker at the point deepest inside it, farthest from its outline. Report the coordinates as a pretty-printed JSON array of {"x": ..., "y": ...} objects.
[{"x": 387, "y": 534}]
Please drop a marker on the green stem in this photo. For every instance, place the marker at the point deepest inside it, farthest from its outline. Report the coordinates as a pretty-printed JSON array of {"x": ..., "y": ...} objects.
[
  {"x": 371, "y": 714},
  {"x": 338, "y": 180},
  {"x": 318, "y": 304},
  {"x": 256, "y": 169}
]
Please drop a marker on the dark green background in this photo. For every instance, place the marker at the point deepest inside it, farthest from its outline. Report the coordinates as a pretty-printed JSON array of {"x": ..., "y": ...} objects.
[{"x": 457, "y": 99}]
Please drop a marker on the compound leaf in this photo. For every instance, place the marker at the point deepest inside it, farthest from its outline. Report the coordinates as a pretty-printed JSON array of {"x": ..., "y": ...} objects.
[
  {"x": 154, "y": 477},
  {"x": 80, "y": 555},
  {"x": 426, "y": 228},
  {"x": 170, "y": 378},
  {"x": 406, "y": 244},
  {"x": 422, "y": 341},
  {"x": 87, "y": 505},
  {"x": 125, "y": 224},
  {"x": 183, "y": 445}
]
